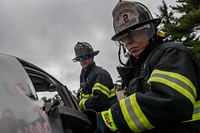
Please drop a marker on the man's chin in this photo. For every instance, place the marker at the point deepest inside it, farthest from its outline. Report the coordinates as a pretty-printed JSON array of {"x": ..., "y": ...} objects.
[{"x": 84, "y": 66}]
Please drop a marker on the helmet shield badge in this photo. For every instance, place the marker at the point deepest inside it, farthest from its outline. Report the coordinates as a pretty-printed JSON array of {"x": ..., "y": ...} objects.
[
  {"x": 125, "y": 18},
  {"x": 129, "y": 15}
]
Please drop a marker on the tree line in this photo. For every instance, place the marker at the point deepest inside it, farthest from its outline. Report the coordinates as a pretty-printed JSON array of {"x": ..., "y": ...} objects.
[{"x": 181, "y": 23}]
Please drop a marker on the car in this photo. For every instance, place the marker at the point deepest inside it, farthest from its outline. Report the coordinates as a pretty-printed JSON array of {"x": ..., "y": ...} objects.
[{"x": 22, "y": 111}]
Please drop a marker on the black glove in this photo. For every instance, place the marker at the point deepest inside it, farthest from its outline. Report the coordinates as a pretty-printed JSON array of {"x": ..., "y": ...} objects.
[
  {"x": 98, "y": 124},
  {"x": 84, "y": 88},
  {"x": 125, "y": 74},
  {"x": 137, "y": 85}
]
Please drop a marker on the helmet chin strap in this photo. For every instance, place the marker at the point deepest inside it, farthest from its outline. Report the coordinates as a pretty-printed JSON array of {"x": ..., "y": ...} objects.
[
  {"x": 121, "y": 47},
  {"x": 126, "y": 54}
]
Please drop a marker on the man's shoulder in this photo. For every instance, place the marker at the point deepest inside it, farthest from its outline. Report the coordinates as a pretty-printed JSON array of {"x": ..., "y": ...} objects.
[
  {"x": 101, "y": 70},
  {"x": 172, "y": 45},
  {"x": 167, "y": 47}
]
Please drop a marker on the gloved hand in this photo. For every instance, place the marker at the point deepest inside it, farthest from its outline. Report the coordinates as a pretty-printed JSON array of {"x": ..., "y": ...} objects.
[
  {"x": 84, "y": 88},
  {"x": 137, "y": 85},
  {"x": 96, "y": 119}
]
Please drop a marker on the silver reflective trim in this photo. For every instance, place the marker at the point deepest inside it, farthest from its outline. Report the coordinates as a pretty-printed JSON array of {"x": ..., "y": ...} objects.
[
  {"x": 133, "y": 115},
  {"x": 177, "y": 81}
]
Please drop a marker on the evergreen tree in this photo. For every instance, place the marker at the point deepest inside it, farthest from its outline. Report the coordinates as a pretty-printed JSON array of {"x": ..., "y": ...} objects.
[{"x": 181, "y": 23}]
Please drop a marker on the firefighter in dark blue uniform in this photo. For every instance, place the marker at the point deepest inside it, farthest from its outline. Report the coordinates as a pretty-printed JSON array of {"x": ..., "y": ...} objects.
[
  {"x": 162, "y": 78},
  {"x": 96, "y": 86}
]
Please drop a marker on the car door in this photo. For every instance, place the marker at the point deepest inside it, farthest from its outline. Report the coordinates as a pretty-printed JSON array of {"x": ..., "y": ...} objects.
[{"x": 62, "y": 109}]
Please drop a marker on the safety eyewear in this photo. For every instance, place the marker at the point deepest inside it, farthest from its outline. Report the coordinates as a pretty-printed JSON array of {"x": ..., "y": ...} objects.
[
  {"x": 80, "y": 58},
  {"x": 141, "y": 34}
]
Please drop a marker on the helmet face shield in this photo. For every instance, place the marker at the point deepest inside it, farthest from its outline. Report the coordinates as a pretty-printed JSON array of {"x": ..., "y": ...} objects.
[{"x": 138, "y": 35}]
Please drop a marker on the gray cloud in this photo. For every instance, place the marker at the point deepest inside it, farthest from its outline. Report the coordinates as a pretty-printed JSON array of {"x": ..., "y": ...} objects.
[{"x": 44, "y": 33}]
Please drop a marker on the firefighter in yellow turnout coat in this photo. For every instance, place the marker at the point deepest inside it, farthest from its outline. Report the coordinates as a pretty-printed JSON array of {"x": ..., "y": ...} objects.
[{"x": 162, "y": 78}]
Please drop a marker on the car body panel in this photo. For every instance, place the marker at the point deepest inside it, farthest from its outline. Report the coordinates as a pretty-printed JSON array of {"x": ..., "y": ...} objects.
[{"x": 18, "y": 113}]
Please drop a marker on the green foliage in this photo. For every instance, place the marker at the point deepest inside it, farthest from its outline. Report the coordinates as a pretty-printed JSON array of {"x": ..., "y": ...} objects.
[{"x": 181, "y": 23}]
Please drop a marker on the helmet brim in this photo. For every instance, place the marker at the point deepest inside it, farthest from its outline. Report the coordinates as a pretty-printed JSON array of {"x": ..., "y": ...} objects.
[
  {"x": 117, "y": 36},
  {"x": 91, "y": 54},
  {"x": 95, "y": 53}
]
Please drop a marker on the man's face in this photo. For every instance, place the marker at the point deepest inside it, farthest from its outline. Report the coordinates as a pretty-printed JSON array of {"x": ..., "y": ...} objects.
[{"x": 86, "y": 62}]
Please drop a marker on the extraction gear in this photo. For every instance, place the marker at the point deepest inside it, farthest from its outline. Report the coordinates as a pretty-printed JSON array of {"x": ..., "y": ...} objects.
[
  {"x": 98, "y": 123},
  {"x": 84, "y": 50}
]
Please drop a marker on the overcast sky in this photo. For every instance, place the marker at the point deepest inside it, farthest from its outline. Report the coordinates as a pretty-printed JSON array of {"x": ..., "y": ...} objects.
[{"x": 44, "y": 33}]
